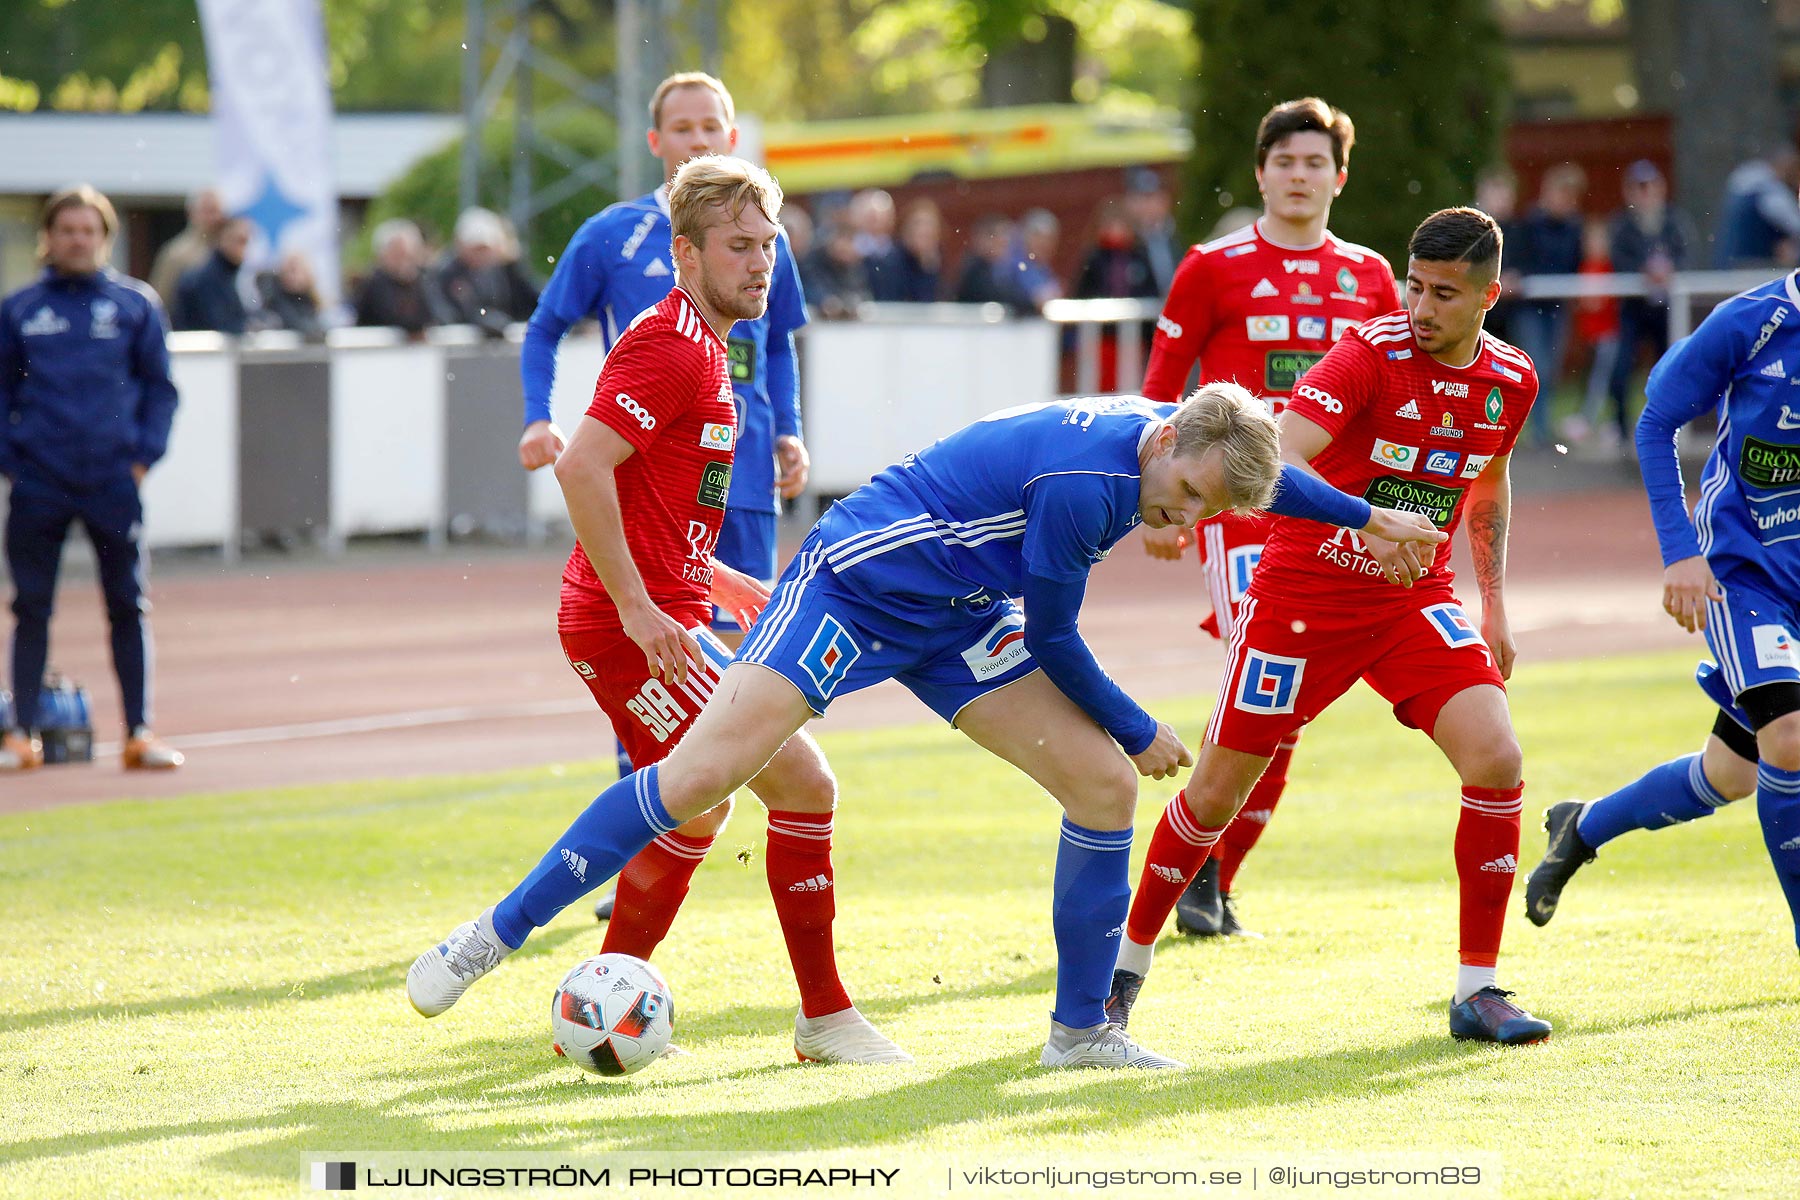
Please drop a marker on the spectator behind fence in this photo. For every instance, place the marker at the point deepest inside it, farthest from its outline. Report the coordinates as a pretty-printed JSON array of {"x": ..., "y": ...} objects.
[
  {"x": 920, "y": 254},
  {"x": 987, "y": 275},
  {"x": 797, "y": 223},
  {"x": 1497, "y": 195},
  {"x": 832, "y": 276},
  {"x": 1151, "y": 209},
  {"x": 1117, "y": 265},
  {"x": 85, "y": 408},
  {"x": 871, "y": 218},
  {"x": 1646, "y": 235},
  {"x": 1548, "y": 242},
  {"x": 189, "y": 248},
  {"x": 1035, "y": 258},
  {"x": 480, "y": 278},
  {"x": 289, "y": 298},
  {"x": 207, "y": 296},
  {"x": 1761, "y": 225},
  {"x": 1596, "y": 326},
  {"x": 397, "y": 292}
]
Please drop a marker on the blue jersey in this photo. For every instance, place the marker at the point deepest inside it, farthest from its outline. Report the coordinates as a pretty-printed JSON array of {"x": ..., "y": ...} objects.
[
  {"x": 1743, "y": 361},
  {"x": 617, "y": 265},
  {"x": 1044, "y": 490},
  {"x": 84, "y": 378}
]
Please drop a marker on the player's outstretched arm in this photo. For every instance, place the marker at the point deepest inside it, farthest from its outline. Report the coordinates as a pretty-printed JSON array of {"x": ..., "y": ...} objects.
[
  {"x": 1490, "y": 509},
  {"x": 738, "y": 594},
  {"x": 586, "y": 473}
]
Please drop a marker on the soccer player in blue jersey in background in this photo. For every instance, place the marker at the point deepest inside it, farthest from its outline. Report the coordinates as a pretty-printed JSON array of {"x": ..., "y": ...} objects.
[
  {"x": 617, "y": 265},
  {"x": 1732, "y": 572},
  {"x": 916, "y": 576}
]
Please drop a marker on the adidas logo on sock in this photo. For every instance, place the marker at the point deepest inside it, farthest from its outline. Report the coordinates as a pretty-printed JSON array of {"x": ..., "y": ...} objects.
[
  {"x": 1506, "y": 864},
  {"x": 575, "y": 863},
  {"x": 818, "y": 883},
  {"x": 1259, "y": 816},
  {"x": 1792, "y": 843},
  {"x": 1171, "y": 874}
]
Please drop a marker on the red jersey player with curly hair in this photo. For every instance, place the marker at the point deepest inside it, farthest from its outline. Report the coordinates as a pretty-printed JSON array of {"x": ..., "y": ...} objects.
[{"x": 1260, "y": 306}]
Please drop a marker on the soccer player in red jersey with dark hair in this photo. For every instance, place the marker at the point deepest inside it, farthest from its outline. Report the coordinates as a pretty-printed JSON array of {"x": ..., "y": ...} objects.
[
  {"x": 1260, "y": 306},
  {"x": 645, "y": 477},
  {"x": 1418, "y": 410}
]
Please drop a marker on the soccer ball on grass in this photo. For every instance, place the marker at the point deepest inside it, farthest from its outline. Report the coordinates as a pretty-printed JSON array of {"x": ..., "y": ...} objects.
[{"x": 612, "y": 1015}]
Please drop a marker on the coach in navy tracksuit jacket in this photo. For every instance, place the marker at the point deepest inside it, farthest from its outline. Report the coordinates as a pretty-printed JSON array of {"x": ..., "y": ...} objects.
[{"x": 85, "y": 407}]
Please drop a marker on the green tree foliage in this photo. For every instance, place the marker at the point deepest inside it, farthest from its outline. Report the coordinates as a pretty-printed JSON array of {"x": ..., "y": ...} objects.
[
  {"x": 427, "y": 193},
  {"x": 1426, "y": 86}
]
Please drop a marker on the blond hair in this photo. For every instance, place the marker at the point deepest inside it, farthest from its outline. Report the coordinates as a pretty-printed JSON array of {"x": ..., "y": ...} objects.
[
  {"x": 713, "y": 189},
  {"x": 1229, "y": 417},
  {"x": 691, "y": 79}
]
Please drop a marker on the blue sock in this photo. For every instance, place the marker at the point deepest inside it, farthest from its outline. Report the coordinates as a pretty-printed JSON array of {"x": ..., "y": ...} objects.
[
  {"x": 1778, "y": 807},
  {"x": 1668, "y": 795},
  {"x": 1090, "y": 896},
  {"x": 622, "y": 820}
]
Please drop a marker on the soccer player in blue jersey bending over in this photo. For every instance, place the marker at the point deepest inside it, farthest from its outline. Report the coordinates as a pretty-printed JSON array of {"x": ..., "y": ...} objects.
[
  {"x": 917, "y": 577},
  {"x": 1733, "y": 572}
]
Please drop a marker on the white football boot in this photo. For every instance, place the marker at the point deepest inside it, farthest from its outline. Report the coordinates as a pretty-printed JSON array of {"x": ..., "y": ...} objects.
[
  {"x": 1103, "y": 1046},
  {"x": 441, "y": 975},
  {"x": 843, "y": 1037}
]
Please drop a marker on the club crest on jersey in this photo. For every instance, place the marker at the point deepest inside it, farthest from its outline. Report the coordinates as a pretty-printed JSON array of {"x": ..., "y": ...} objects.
[
  {"x": 1495, "y": 405},
  {"x": 1270, "y": 683},
  {"x": 103, "y": 317},
  {"x": 717, "y": 436},
  {"x": 1000, "y": 649},
  {"x": 829, "y": 656},
  {"x": 1346, "y": 281},
  {"x": 1267, "y": 329}
]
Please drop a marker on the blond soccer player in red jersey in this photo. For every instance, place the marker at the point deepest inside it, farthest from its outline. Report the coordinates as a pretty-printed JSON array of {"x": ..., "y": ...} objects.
[
  {"x": 1418, "y": 410},
  {"x": 1260, "y": 306},
  {"x": 646, "y": 476}
]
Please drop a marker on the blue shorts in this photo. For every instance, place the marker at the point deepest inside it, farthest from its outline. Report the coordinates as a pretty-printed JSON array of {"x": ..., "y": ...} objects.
[
  {"x": 746, "y": 543},
  {"x": 1751, "y": 634},
  {"x": 829, "y": 640}
]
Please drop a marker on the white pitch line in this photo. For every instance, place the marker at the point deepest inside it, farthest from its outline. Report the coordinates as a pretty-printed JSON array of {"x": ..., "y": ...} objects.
[{"x": 415, "y": 719}]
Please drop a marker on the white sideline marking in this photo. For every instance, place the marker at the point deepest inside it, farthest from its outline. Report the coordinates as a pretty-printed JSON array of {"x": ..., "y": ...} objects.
[{"x": 417, "y": 718}]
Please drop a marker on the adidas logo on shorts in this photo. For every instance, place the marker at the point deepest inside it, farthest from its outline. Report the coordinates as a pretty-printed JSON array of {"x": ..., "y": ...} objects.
[
  {"x": 818, "y": 883},
  {"x": 1506, "y": 864},
  {"x": 1171, "y": 874},
  {"x": 575, "y": 863}
]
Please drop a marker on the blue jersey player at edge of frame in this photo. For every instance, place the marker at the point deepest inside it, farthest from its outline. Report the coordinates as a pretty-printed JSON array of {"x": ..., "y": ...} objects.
[
  {"x": 1732, "y": 572},
  {"x": 915, "y": 577}
]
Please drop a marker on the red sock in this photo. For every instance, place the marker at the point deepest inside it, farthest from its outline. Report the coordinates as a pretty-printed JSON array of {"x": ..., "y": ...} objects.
[
  {"x": 800, "y": 880},
  {"x": 651, "y": 889},
  {"x": 1253, "y": 818},
  {"x": 1177, "y": 849},
  {"x": 1487, "y": 860}
]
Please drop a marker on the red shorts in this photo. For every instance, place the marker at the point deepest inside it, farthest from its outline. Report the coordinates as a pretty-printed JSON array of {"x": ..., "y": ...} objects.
[
  {"x": 648, "y": 715},
  {"x": 1287, "y": 664},
  {"x": 1230, "y": 548}
]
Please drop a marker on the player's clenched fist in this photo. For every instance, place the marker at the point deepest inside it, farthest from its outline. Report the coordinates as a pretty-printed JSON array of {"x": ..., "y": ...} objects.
[
  {"x": 540, "y": 445},
  {"x": 1164, "y": 756},
  {"x": 1167, "y": 542}
]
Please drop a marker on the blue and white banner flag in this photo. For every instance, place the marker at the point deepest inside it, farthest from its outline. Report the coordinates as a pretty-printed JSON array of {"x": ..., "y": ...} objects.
[{"x": 271, "y": 107}]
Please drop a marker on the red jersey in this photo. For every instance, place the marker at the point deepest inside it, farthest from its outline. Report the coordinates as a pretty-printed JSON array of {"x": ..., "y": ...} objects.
[
  {"x": 666, "y": 389},
  {"x": 1407, "y": 432},
  {"x": 1260, "y": 313}
]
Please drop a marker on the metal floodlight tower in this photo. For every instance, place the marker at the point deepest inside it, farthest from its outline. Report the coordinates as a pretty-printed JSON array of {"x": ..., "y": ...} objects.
[{"x": 523, "y": 60}]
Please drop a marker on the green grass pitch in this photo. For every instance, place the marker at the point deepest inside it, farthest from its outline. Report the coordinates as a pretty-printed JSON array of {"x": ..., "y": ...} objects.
[{"x": 197, "y": 993}]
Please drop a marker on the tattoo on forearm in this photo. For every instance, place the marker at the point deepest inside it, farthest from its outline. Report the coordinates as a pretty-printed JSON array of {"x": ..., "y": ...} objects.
[{"x": 1487, "y": 544}]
